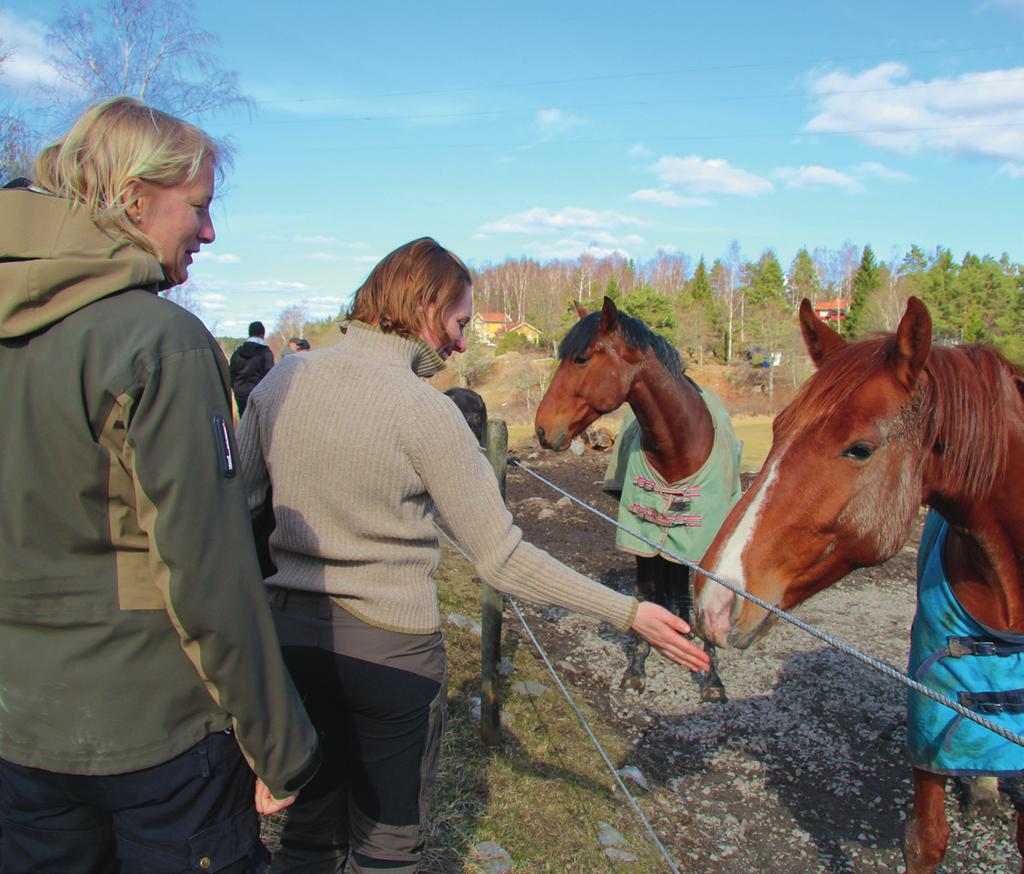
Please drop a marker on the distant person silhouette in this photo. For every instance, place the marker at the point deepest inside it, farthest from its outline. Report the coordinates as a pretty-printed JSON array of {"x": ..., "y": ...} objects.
[{"x": 250, "y": 362}]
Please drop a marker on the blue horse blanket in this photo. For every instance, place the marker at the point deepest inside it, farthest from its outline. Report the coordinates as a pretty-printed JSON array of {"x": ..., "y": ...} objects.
[{"x": 979, "y": 667}]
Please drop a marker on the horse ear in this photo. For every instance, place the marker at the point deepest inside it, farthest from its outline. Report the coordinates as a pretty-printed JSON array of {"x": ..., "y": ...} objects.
[
  {"x": 819, "y": 338},
  {"x": 609, "y": 316},
  {"x": 579, "y": 309},
  {"x": 913, "y": 342}
]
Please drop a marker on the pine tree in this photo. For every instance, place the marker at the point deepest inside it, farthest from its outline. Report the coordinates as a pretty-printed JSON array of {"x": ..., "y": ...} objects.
[
  {"x": 803, "y": 279},
  {"x": 611, "y": 289},
  {"x": 653, "y": 309},
  {"x": 865, "y": 283},
  {"x": 700, "y": 285},
  {"x": 766, "y": 280}
]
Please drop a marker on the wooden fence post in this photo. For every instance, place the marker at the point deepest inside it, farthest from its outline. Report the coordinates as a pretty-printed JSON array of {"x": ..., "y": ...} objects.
[{"x": 490, "y": 656}]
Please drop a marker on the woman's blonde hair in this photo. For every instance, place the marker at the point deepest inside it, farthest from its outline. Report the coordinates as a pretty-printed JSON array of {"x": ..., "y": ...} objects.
[
  {"x": 116, "y": 142},
  {"x": 399, "y": 290}
]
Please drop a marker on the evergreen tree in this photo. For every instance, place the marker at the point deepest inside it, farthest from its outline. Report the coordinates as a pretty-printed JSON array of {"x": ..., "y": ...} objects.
[
  {"x": 803, "y": 279},
  {"x": 653, "y": 309},
  {"x": 611, "y": 290},
  {"x": 695, "y": 311},
  {"x": 765, "y": 280},
  {"x": 938, "y": 292},
  {"x": 865, "y": 283},
  {"x": 700, "y": 285}
]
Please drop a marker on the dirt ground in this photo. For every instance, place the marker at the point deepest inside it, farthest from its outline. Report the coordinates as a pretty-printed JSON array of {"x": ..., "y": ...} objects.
[{"x": 804, "y": 768}]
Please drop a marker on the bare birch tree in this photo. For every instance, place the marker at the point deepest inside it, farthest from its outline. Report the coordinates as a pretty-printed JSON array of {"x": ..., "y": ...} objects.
[
  {"x": 15, "y": 138},
  {"x": 147, "y": 49}
]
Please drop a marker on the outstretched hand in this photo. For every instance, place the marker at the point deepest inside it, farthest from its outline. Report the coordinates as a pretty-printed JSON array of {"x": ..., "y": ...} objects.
[
  {"x": 664, "y": 631},
  {"x": 266, "y": 803}
]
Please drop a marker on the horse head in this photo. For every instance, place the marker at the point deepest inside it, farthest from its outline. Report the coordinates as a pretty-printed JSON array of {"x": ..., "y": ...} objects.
[
  {"x": 598, "y": 361},
  {"x": 840, "y": 486}
]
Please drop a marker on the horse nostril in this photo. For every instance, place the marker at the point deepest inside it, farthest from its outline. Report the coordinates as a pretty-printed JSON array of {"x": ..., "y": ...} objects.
[{"x": 540, "y": 436}]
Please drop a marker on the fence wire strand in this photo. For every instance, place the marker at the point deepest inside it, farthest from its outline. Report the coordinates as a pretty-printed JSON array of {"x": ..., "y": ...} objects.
[
  {"x": 579, "y": 715},
  {"x": 880, "y": 666}
]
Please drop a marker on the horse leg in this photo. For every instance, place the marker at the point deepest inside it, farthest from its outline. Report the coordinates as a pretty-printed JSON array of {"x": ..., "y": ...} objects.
[
  {"x": 982, "y": 793},
  {"x": 711, "y": 686},
  {"x": 1014, "y": 789},
  {"x": 1020, "y": 837},
  {"x": 645, "y": 589},
  {"x": 927, "y": 833}
]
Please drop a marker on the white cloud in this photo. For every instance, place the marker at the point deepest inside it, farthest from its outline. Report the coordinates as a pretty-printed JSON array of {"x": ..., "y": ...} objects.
[
  {"x": 1015, "y": 7},
  {"x": 275, "y": 285},
  {"x": 213, "y": 301},
  {"x": 568, "y": 248},
  {"x": 217, "y": 257},
  {"x": 316, "y": 239},
  {"x": 606, "y": 239},
  {"x": 817, "y": 177},
  {"x": 323, "y": 256},
  {"x": 639, "y": 151},
  {"x": 568, "y": 220},
  {"x": 880, "y": 171},
  {"x": 1014, "y": 171},
  {"x": 552, "y": 121},
  {"x": 978, "y": 114},
  {"x": 668, "y": 198},
  {"x": 28, "y": 65},
  {"x": 695, "y": 175}
]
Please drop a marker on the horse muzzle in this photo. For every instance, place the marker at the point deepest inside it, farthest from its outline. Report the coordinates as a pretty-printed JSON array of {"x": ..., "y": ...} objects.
[{"x": 558, "y": 442}]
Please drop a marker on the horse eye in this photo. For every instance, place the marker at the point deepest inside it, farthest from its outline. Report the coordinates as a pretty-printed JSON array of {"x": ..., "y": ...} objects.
[
  {"x": 580, "y": 359},
  {"x": 859, "y": 451}
]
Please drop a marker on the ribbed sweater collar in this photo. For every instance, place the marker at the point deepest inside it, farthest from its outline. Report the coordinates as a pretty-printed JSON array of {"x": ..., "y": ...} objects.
[{"x": 371, "y": 341}]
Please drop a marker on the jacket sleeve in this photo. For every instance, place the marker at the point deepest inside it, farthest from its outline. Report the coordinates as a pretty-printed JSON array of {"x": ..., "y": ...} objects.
[
  {"x": 461, "y": 482},
  {"x": 191, "y": 502}
]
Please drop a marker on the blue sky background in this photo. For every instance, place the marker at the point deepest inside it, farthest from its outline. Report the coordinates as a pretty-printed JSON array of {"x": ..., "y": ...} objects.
[{"x": 550, "y": 129}]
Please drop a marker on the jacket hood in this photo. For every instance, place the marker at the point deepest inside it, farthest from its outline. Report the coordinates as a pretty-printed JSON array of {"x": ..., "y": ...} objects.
[
  {"x": 248, "y": 349},
  {"x": 54, "y": 260}
]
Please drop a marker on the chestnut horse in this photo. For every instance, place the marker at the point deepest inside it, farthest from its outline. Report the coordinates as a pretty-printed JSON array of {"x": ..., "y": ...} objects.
[
  {"x": 885, "y": 424},
  {"x": 608, "y": 359}
]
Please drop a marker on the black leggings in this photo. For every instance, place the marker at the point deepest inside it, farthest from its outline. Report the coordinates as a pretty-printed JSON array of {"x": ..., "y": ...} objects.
[{"x": 377, "y": 698}]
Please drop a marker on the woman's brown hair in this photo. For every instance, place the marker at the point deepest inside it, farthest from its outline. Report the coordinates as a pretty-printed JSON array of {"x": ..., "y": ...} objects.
[{"x": 400, "y": 289}]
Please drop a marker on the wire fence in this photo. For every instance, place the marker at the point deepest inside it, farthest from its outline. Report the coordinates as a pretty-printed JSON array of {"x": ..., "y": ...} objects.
[{"x": 875, "y": 664}]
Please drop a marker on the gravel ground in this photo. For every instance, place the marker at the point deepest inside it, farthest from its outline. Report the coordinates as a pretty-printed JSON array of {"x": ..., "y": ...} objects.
[{"x": 804, "y": 768}]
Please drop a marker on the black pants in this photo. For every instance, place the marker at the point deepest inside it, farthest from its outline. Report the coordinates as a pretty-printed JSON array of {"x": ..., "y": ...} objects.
[
  {"x": 192, "y": 813},
  {"x": 378, "y": 699}
]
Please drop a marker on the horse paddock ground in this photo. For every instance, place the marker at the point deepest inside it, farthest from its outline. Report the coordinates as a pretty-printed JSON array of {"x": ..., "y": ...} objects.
[{"x": 803, "y": 769}]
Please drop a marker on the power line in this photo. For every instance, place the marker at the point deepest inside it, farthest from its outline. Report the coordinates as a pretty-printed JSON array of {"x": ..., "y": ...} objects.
[
  {"x": 647, "y": 139},
  {"x": 487, "y": 113},
  {"x": 638, "y": 75}
]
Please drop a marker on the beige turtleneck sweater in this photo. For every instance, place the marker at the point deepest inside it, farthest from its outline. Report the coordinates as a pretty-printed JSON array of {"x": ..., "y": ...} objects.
[{"x": 360, "y": 450}]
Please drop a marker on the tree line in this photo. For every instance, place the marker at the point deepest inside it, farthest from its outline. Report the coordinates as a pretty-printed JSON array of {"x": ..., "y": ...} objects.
[{"x": 747, "y": 308}]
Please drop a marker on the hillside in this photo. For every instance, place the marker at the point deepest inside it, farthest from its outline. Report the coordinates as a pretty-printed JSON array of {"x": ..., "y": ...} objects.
[{"x": 514, "y": 387}]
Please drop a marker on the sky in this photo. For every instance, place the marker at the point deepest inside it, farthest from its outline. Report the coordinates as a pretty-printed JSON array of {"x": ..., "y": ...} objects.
[{"x": 553, "y": 129}]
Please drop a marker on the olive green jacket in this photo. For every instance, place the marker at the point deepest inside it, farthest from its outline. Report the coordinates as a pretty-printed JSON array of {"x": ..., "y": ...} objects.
[{"x": 133, "y": 619}]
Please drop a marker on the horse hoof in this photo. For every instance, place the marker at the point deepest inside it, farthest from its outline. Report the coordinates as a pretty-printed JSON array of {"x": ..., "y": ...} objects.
[
  {"x": 983, "y": 794},
  {"x": 632, "y": 681},
  {"x": 713, "y": 694}
]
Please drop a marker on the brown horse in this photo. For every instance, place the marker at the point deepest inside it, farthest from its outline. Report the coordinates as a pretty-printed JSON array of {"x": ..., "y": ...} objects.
[
  {"x": 884, "y": 425},
  {"x": 608, "y": 359}
]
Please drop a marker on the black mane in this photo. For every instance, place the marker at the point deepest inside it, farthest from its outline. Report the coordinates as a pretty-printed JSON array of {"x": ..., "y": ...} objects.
[{"x": 636, "y": 334}]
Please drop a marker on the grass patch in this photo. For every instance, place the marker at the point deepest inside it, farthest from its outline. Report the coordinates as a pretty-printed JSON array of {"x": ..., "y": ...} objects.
[
  {"x": 756, "y": 434},
  {"x": 540, "y": 794}
]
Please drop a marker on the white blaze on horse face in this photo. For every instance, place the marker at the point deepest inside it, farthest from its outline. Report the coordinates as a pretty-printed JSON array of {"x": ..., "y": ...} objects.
[{"x": 717, "y": 602}]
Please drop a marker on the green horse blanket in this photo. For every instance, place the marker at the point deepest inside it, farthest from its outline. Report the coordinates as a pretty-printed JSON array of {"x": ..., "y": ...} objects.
[{"x": 682, "y": 517}]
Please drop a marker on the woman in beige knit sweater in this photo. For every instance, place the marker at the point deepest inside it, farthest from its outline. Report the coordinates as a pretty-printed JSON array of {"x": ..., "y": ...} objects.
[{"x": 357, "y": 452}]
